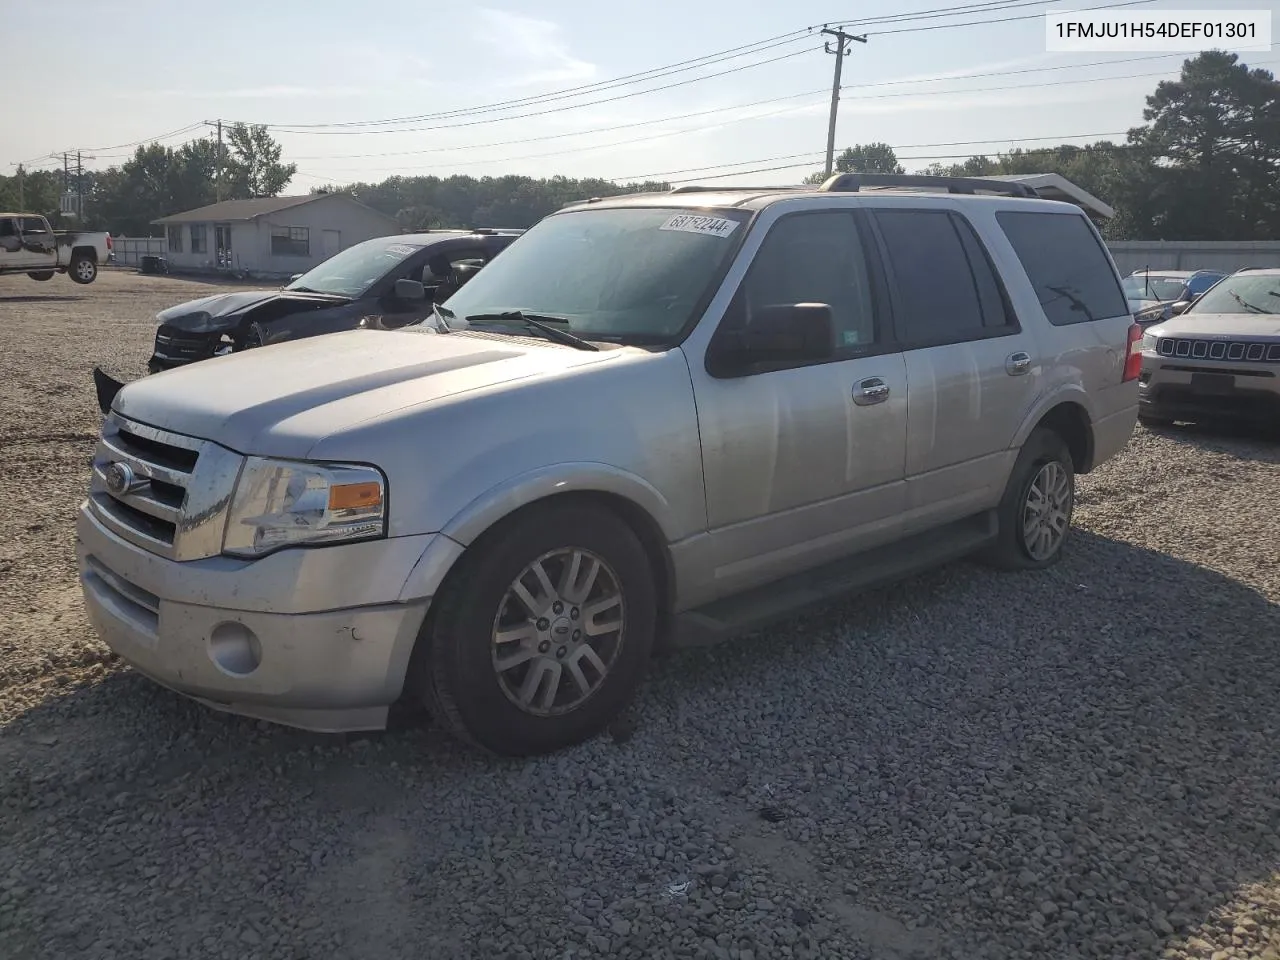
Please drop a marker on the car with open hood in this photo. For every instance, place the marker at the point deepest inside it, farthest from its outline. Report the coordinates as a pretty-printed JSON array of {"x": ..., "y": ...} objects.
[
  {"x": 386, "y": 282},
  {"x": 1218, "y": 360}
]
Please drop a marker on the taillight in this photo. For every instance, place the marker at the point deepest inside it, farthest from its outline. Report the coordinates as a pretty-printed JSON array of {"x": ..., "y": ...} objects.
[{"x": 1133, "y": 359}]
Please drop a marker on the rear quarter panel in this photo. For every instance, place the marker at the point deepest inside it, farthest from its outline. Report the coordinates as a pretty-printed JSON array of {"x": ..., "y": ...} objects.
[{"x": 1081, "y": 363}]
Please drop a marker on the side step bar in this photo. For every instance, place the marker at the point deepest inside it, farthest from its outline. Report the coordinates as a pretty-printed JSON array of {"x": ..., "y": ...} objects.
[{"x": 769, "y": 604}]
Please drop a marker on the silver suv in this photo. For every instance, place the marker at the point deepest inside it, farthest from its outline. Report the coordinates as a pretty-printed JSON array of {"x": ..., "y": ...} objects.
[
  {"x": 1219, "y": 360},
  {"x": 663, "y": 418}
]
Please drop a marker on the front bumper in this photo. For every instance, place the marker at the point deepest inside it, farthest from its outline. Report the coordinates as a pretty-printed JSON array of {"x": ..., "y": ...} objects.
[
  {"x": 177, "y": 348},
  {"x": 318, "y": 639},
  {"x": 1183, "y": 392}
]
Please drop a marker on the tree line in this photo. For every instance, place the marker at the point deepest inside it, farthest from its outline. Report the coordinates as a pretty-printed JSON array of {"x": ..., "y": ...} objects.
[{"x": 1203, "y": 166}]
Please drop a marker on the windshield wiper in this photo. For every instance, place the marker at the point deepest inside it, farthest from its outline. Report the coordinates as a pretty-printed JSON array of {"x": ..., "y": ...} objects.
[
  {"x": 442, "y": 314},
  {"x": 1245, "y": 303},
  {"x": 542, "y": 323}
]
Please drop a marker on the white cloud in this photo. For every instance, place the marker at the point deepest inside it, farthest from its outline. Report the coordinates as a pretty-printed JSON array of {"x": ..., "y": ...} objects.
[{"x": 537, "y": 47}]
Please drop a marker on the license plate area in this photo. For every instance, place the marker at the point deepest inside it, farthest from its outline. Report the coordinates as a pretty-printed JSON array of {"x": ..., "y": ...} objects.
[{"x": 1213, "y": 384}]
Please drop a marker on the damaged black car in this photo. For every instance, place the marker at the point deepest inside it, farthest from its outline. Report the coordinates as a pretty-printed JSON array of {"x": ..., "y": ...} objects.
[{"x": 387, "y": 282}]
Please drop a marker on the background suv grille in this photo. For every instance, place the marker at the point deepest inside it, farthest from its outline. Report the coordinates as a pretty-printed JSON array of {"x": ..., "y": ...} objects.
[
  {"x": 177, "y": 503},
  {"x": 1194, "y": 348}
]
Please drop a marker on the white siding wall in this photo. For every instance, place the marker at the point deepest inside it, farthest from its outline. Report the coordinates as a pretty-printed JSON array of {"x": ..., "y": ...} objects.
[
  {"x": 251, "y": 239},
  {"x": 355, "y": 224}
]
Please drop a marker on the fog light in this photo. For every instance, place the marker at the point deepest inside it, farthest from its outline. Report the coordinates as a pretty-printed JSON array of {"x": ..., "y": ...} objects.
[{"x": 235, "y": 649}]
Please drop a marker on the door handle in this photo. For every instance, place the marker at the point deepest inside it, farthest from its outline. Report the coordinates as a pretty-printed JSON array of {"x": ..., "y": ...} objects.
[
  {"x": 869, "y": 391},
  {"x": 1016, "y": 364}
]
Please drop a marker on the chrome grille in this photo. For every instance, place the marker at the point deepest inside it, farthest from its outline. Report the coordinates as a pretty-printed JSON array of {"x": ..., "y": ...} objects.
[
  {"x": 181, "y": 487},
  {"x": 1252, "y": 351}
]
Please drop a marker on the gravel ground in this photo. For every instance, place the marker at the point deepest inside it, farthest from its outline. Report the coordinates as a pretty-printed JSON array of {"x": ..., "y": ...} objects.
[{"x": 1079, "y": 763}]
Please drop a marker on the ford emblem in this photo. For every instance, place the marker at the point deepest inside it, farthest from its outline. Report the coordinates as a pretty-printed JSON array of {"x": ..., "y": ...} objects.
[{"x": 120, "y": 478}]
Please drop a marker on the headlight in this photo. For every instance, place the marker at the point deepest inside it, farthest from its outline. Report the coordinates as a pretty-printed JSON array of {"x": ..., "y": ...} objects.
[
  {"x": 1149, "y": 342},
  {"x": 282, "y": 503}
]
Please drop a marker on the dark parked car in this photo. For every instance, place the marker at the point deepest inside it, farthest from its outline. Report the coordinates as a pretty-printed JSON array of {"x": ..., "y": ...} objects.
[
  {"x": 1154, "y": 295},
  {"x": 387, "y": 282}
]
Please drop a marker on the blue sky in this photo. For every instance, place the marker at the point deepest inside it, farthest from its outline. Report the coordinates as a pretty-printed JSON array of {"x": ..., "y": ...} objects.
[{"x": 120, "y": 73}]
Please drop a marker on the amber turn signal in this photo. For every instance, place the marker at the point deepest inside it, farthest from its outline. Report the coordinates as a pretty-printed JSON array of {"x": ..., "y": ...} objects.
[{"x": 351, "y": 496}]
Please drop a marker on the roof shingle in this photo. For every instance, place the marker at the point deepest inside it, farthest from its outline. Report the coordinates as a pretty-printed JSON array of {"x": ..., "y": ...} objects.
[{"x": 238, "y": 209}]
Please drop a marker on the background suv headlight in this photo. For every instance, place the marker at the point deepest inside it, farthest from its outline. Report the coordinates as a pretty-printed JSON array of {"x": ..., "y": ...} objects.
[
  {"x": 1148, "y": 344},
  {"x": 284, "y": 503}
]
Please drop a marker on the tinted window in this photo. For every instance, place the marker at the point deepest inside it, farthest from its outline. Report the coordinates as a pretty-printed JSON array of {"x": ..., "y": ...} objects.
[
  {"x": 32, "y": 225},
  {"x": 935, "y": 267},
  {"x": 7, "y": 228},
  {"x": 815, "y": 258},
  {"x": 1067, "y": 266}
]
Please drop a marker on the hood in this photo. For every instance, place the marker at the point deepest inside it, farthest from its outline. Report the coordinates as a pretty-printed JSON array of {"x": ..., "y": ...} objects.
[
  {"x": 281, "y": 400},
  {"x": 198, "y": 313},
  {"x": 1221, "y": 326}
]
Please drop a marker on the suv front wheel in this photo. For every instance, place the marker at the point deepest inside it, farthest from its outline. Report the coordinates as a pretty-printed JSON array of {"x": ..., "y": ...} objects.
[
  {"x": 1035, "y": 512},
  {"x": 542, "y": 636}
]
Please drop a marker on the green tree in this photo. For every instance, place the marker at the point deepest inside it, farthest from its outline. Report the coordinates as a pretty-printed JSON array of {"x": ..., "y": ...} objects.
[
  {"x": 862, "y": 158},
  {"x": 254, "y": 167}
]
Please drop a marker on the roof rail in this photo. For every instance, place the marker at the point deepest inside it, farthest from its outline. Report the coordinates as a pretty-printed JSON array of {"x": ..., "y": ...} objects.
[
  {"x": 699, "y": 188},
  {"x": 853, "y": 182}
]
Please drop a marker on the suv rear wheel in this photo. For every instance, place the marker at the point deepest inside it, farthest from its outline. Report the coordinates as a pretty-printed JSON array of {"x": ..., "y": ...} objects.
[
  {"x": 1035, "y": 512},
  {"x": 543, "y": 635}
]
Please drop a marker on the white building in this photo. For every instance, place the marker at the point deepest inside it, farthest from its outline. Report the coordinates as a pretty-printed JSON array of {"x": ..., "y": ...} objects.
[{"x": 271, "y": 235}]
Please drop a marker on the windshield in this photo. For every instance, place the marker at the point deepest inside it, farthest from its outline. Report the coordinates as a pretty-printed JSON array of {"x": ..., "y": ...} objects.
[
  {"x": 633, "y": 274},
  {"x": 1154, "y": 288},
  {"x": 1246, "y": 293},
  {"x": 353, "y": 271}
]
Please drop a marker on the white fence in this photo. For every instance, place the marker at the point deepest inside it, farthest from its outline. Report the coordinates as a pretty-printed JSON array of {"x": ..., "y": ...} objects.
[
  {"x": 129, "y": 251},
  {"x": 1227, "y": 255}
]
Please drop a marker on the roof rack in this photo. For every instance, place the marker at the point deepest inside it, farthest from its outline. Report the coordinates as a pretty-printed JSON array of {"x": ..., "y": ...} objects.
[
  {"x": 853, "y": 182},
  {"x": 699, "y": 188}
]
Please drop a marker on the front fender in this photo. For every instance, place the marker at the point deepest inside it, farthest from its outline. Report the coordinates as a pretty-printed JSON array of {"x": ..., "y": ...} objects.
[
  {"x": 501, "y": 501},
  {"x": 581, "y": 477}
]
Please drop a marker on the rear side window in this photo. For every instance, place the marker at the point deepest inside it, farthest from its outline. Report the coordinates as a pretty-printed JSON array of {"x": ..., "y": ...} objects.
[
  {"x": 947, "y": 290},
  {"x": 1067, "y": 266}
]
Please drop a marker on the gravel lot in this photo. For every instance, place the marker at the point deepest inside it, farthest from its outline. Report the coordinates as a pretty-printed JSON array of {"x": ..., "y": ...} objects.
[{"x": 1082, "y": 763}]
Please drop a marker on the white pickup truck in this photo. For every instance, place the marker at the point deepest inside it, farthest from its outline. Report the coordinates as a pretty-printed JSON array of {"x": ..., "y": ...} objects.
[{"x": 29, "y": 245}]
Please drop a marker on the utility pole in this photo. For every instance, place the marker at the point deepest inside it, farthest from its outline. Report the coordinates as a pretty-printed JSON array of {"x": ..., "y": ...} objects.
[
  {"x": 841, "y": 50},
  {"x": 22, "y": 201},
  {"x": 79, "y": 188},
  {"x": 218, "y": 169},
  {"x": 66, "y": 174}
]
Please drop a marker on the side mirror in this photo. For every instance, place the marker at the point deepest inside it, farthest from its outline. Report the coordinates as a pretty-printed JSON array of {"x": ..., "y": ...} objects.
[
  {"x": 782, "y": 333},
  {"x": 410, "y": 291},
  {"x": 1180, "y": 307},
  {"x": 295, "y": 278}
]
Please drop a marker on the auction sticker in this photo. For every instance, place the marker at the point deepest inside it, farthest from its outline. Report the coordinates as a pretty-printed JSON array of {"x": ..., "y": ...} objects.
[{"x": 710, "y": 226}]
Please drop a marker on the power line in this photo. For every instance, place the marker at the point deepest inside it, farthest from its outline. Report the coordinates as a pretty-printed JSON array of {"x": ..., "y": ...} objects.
[
  {"x": 1025, "y": 16},
  {"x": 739, "y": 106},
  {"x": 278, "y": 128},
  {"x": 334, "y": 129},
  {"x": 674, "y": 68}
]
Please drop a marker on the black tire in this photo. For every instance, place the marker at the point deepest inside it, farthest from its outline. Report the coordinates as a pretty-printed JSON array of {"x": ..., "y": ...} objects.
[
  {"x": 1010, "y": 551},
  {"x": 83, "y": 268},
  {"x": 454, "y": 668},
  {"x": 41, "y": 275}
]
